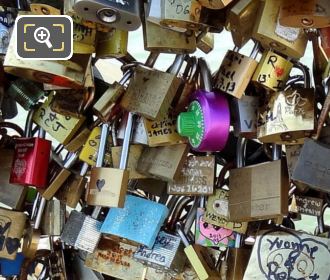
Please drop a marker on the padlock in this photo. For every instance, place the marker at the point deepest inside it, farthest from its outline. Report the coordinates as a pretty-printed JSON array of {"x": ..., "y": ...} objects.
[
  {"x": 12, "y": 227},
  {"x": 307, "y": 14},
  {"x": 272, "y": 72},
  {"x": 236, "y": 71},
  {"x": 209, "y": 235},
  {"x": 82, "y": 231},
  {"x": 53, "y": 218},
  {"x": 217, "y": 213},
  {"x": 25, "y": 92},
  {"x": 158, "y": 38},
  {"x": 121, "y": 14},
  {"x": 111, "y": 44},
  {"x": 308, "y": 205},
  {"x": 84, "y": 39},
  {"x": 58, "y": 180},
  {"x": 139, "y": 136},
  {"x": 258, "y": 201},
  {"x": 272, "y": 35},
  {"x": 164, "y": 163},
  {"x": 312, "y": 167},
  {"x": 180, "y": 15},
  {"x": 207, "y": 121},
  {"x": 8, "y": 16},
  {"x": 104, "y": 106},
  {"x": 108, "y": 186},
  {"x": 162, "y": 132},
  {"x": 69, "y": 73},
  {"x": 287, "y": 117},
  {"x": 90, "y": 149},
  {"x": 139, "y": 221},
  {"x": 10, "y": 268},
  {"x": 72, "y": 190},
  {"x": 141, "y": 96},
  {"x": 240, "y": 21},
  {"x": 46, "y": 7},
  {"x": 205, "y": 42},
  {"x": 196, "y": 178},
  {"x": 246, "y": 116},
  {"x": 215, "y": 4},
  {"x": 199, "y": 259},
  {"x": 31, "y": 158},
  {"x": 62, "y": 128}
]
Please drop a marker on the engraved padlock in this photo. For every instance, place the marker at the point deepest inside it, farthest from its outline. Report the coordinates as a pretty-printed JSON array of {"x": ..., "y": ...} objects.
[
  {"x": 236, "y": 71},
  {"x": 206, "y": 123},
  {"x": 121, "y": 14}
]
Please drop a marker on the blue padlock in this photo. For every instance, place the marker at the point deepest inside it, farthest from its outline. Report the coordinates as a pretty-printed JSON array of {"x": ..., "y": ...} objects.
[
  {"x": 140, "y": 220},
  {"x": 10, "y": 268}
]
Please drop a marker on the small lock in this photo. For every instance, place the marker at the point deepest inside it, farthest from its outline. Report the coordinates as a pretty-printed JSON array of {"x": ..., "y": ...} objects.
[
  {"x": 206, "y": 123},
  {"x": 236, "y": 71},
  {"x": 123, "y": 15}
]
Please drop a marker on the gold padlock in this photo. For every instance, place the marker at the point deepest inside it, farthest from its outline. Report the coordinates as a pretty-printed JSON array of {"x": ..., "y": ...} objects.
[
  {"x": 272, "y": 35},
  {"x": 240, "y": 21},
  {"x": 161, "y": 39},
  {"x": 272, "y": 72},
  {"x": 62, "y": 128},
  {"x": 111, "y": 44},
  {"x": 181, "y": 15},
  {"x": 305, "y": 14}
]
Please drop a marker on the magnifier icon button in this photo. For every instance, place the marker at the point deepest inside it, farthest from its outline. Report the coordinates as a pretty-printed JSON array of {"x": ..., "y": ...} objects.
[{"x": 42, "y": 35}]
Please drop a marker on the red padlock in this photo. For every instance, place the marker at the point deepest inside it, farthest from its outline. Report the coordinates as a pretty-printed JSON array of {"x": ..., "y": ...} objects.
[{"x": 31, "y": 158}]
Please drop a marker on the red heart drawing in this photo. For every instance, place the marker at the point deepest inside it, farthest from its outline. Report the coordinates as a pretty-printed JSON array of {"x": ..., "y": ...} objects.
[{"x": 279, "y": 71}]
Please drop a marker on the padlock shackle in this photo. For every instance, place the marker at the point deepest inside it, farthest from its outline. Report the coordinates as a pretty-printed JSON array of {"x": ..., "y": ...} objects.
[
  {"x": 102, "y": 145},
  {"x": 71, "y": 159},
  {"x": 84, "y": 169},
  {"x": 180, "y": 231},
  {"x": 177, "y": 64},
  {"x": 276, "y": 152},
  {"x": 191, "y": 216},
  {"x": 205, "y": 74},
  {"x": 127, "y": 138},
  {"x": 304, "y": 69},
  {"x": 240, "y": 152},
  {"x": 152, "y": 58},
  {"x": 28, "y": 124},
  {"x": 255, "y": 50}
]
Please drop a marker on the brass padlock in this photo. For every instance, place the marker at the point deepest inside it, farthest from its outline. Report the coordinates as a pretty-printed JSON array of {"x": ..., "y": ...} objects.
[
  {"x": 62, "y": 128},
  {"x": 163, "y": 162},
  {"x": 305, "y": 14},
  {"x": 236, "y": 71},
  {"x": 141, "y": 96},
  {"x": 181, "y": 15},
  {"x": 205, "y": 42},
  {"x": 215, "y": 4},
  {"x": 111, "y": 44},
  {"x": 287, "y": 117},
  {"x": 272, "y": 72},
  {"x": 46, "y": 7},
  {"x": 108, "y": 186},
  {"x": 272, "y": 35},
  {"x": 158, "y": 38},
  {"x": 240, "y": 21}
]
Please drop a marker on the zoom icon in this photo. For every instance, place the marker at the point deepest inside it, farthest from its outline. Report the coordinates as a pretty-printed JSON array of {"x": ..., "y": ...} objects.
[{"x": 44, "y": 37}]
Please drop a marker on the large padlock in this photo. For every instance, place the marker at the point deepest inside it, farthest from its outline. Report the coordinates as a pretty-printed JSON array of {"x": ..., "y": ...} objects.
[
  {"x": 108, "y": 186},
  {"x": 272, "y": 35},
  {"x": 31, "y": 159},
  {"x": 258, "y": 200},
  {"x": 141, "y": 96},
  {"x": 111, "y": 44},
  {"x": 163, "y": 162},
  {"x": 61, "y": 127},
  {"x": 181, "y": 15},
  {"x": 236, "y": 71},
  {"x": 272, "y": 72},
  {"x": 207, "y": 121},
  {"x": 139, "y": 221},
  {"x": 307, "y": 14},
  {"x": 240, "y": 21},
  {"x": 196, "y": 178},
  {"x": 123, "y": 15},
  {"x": 287, "y": 117}
]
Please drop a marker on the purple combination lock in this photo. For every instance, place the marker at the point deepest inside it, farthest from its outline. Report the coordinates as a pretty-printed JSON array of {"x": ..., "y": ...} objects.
[{"x": 207, "y": 121}]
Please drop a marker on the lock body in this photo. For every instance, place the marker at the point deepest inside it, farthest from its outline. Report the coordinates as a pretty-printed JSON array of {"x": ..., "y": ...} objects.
[
  {"x": 124, "y": 15},
  {"x": 112, "y": 44},
  {"x": 272, "y": 72},
  {"x": 83, "y": 39},
  {"x": 235, "y": 73},
  {"x": 53, "y": 218},
  {"x": 30, "y": 162}
]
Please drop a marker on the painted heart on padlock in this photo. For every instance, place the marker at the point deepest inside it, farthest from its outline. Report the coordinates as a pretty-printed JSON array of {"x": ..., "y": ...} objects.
[
  {"x": 100, "y": 184},
  {"x": 12, "y": 245},
  {"x": 283, "y": 254}
]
